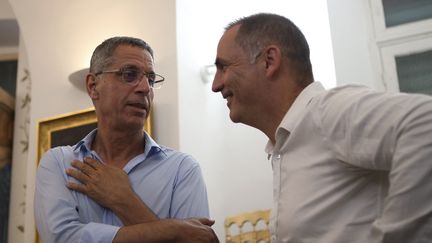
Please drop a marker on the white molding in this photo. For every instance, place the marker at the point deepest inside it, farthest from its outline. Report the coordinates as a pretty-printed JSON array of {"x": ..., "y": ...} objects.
[
  {"x": 404, "y": 39},
  {"x": 384, "y": 34},
  {"x": 389, "y": 54}
]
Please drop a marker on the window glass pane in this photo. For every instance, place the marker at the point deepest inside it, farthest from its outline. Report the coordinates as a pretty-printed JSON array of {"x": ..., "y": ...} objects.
[
  {"x": 8, "y": 75},
  {"x": 398, "y": 12},
  {"x": 414, "y": 72}
]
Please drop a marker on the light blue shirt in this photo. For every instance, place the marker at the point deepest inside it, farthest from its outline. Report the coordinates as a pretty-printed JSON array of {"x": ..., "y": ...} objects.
[{"x": 169, "y": 182}]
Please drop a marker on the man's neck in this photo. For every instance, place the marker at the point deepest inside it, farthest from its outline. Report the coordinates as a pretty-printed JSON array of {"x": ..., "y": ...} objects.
[
  {"x": 277, "y": 110},
  {"x": 118, "y": 147}
]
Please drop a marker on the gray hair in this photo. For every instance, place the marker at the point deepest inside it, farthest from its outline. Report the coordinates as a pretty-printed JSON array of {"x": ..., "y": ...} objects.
[
  {"x": 260, "y": 30},
  {"x": 102, "y": 55}
]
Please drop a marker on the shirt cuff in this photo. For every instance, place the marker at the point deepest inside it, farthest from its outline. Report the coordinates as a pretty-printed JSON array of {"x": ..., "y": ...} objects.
[{"x": 98, "y": 233}]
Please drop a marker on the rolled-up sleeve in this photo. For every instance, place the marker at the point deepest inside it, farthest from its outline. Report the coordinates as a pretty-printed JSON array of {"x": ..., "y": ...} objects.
[{"x": 96, "y": 232}]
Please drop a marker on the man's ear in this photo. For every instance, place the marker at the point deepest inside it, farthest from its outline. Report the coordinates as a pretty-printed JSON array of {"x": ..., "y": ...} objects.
[
  {"x": 91, "y": 86},
  {"x": 272, "y": 56}
]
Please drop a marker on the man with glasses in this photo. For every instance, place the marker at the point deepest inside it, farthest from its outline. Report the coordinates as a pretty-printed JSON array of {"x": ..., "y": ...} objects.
[{"x": 121, "y": 186}]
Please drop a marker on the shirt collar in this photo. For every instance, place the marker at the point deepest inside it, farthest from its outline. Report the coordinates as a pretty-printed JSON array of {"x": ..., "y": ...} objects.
[
  {"x": 151, "y": 146},
  {"x": 84, "y": 146},
  {"x": 295, "y": 111}
]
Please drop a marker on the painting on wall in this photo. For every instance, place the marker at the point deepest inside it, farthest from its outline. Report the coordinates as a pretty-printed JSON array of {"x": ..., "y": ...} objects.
[
  {"x": 8, "y": 71},
  {"x": 68, "y": 129}
]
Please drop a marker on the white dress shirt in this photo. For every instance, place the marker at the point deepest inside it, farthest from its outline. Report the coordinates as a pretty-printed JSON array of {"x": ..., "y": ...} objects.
[{"x": 353, "y": 165}]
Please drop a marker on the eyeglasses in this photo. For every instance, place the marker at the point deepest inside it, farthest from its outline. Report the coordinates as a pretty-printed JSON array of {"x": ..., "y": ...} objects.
[{"x": 132, "y": 76}]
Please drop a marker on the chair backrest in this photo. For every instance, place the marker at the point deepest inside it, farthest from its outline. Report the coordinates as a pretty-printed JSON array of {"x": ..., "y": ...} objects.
[{"x": 259, "y": 232}]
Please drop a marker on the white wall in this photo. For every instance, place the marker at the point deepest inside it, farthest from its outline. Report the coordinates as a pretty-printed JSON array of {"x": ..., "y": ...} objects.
[
  {"x": 58, "y": 48},
  {"x": 235, "y": 166},
  {"x": 355, "y": 52},
  {"x": 6, "y": 10}
]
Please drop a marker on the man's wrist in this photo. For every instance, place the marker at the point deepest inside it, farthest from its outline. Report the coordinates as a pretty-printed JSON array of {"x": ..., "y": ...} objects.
[
  {"x": 133, "y": 210},
  {"x": 164, "y": 230}
]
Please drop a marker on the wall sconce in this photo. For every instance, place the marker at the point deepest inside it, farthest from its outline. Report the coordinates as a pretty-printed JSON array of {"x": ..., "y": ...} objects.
[
  {"x": 207, "y": 73},
  {"x": 77, "y": 78}
]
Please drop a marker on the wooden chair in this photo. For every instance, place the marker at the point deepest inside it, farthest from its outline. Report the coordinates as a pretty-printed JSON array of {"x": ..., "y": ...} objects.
[{"x": 254, "y": 235}]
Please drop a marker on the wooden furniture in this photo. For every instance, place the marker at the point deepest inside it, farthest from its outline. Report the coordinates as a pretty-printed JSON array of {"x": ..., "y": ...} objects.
[{"x": 258, "y": 231}]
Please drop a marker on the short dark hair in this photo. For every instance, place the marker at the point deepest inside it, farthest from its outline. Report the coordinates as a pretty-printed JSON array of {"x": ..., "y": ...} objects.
[
  {"x": 260, "y": 30},
  {"x": 102, "y": 55}
]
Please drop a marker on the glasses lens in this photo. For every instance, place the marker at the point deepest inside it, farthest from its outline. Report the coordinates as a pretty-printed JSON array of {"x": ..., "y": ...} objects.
[
  {"x": 151, "y": 78},
  {"x": 157, "y": 85},
  {"x": 130, "y": 75}
]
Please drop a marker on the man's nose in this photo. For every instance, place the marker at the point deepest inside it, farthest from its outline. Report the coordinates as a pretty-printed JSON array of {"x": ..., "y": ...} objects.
[
  {"x": 217, "y": 84},
  {"x": 143, "y": 84}
]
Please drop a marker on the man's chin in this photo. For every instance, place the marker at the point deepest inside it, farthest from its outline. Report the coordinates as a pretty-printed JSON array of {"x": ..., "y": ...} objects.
[
  {"x": 234, "y": 118},
  {"x": 137, "y": 119}
]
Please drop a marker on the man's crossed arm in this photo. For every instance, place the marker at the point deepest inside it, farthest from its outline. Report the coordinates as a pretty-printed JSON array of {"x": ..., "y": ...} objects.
[{"x": 110, "y": 187}]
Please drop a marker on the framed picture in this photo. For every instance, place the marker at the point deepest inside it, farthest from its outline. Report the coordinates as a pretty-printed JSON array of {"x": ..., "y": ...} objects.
[{"x": 68, "y": 129}]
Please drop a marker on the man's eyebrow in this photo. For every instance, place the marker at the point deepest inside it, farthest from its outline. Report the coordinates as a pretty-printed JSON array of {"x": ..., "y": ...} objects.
[
  {"x": 135, "y": 67},
  {"x": 219, "y": 62},
  {"x": 131, "y": 66}
]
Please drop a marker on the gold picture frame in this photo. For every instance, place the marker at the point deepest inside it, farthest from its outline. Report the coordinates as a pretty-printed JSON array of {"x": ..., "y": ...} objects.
[{"x": 68, "y": 129}]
